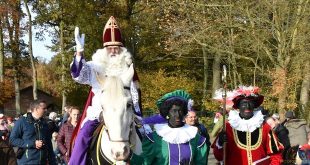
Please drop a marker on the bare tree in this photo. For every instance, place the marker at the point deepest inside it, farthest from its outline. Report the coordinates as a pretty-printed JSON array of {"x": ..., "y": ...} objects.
[
  {"x": 216, "y": 69},
  {"x": 34, "y": 70},
  {"x": 1, "y": 52},
  {"x": 12, "y": 19},
  {"x": 305, "y": 86},
  {"x": 277, "y": 35}
]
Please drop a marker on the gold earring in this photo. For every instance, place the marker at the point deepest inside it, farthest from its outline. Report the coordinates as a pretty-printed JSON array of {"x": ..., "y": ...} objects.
[{"x": 167, "y": 117}]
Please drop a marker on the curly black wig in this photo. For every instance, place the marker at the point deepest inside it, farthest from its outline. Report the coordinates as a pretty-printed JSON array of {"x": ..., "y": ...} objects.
[{"x": 167, "y": 105}]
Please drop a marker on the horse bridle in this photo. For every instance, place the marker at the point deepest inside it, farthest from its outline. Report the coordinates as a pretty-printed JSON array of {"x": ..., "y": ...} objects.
[
  {"x": 131, "y": 127},
  {"x": 102, "y": 154},
  {"x": 128, "y": 140}
]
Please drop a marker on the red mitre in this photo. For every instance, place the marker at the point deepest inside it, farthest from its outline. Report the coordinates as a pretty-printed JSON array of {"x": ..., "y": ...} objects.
[{"x": 112, "y": 34}]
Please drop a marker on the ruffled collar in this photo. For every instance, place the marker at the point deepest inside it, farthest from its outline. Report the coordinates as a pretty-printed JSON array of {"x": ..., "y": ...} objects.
[
  {"x": 176, "y": 135},
  {"x": 243, "y": 125}
]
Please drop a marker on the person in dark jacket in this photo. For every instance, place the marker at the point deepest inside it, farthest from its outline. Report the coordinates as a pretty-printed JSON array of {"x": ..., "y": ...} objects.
[
  {"x": 192, "y": 119},
  {"x": 51, "y": 122},
  {"x": 7, "y": 154},
  {"x": 65, "y": 133},
  {"x": 66, "y": 115},
  {"x": 33, "y": 138}
]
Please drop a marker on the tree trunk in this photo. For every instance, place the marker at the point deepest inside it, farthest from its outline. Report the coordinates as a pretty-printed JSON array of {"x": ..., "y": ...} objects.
[
  {"x": 17, "y": 93},
  {"x": 231, "y": 44},
  {"x": 13, "y": 25},
  {"x": 254, "y": 74},
  {"x": 216, "y": 67},
  {"x": 305, "y": 86},
  {"x": 64, "y": 97},
  {"x": 1, "y": 53},
  {"x": 205, "y": 71},
  {"x": 234, "y": 72},
  {"x": 281, "y": 86},
  {"x": 16, "y": 50},
  {"x": 34, "y": 70}
]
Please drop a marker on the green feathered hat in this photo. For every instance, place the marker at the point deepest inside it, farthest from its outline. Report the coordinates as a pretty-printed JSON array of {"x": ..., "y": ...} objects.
[{"x": 177, "y": 94}]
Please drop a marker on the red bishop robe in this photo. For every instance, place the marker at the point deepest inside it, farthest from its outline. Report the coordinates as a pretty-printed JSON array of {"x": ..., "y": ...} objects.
[{"x": 262, "y": 143}]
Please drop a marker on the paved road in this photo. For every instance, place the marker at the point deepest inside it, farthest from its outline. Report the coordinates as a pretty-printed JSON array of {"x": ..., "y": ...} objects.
[{"x": 211, "y": 159}]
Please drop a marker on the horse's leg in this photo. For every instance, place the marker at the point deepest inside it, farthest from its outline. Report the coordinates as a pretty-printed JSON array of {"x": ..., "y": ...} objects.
[{"x": 82, "y": 142}]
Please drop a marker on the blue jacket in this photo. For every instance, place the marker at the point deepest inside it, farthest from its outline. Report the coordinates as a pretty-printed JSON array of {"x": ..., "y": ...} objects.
[{"x": 24, "y": 134}]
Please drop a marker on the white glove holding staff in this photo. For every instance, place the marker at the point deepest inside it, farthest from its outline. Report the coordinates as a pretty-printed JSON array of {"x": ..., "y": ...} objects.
[{"x": 79, "y": 40}]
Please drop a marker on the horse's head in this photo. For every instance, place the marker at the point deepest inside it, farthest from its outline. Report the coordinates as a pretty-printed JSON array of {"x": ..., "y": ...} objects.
[{"x": 117, "y": 111}]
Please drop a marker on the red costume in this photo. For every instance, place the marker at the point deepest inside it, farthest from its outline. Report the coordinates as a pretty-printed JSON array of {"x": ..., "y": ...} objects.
[
  {"x": 248, "y": 140},
  {"x": 263, "y": 143}
]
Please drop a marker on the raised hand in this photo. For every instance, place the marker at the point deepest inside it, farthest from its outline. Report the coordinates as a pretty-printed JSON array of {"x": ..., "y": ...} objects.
[{"x": 79, "y": 40}]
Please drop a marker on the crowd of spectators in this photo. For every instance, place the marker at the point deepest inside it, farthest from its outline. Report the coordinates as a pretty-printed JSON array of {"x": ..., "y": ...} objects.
[
  {"x": 49, "y": 134},
  {"x": 38, "y": 136}
]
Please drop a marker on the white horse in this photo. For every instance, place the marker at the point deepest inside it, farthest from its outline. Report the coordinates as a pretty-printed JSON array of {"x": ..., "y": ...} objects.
[{"x": 117, "y": 138}]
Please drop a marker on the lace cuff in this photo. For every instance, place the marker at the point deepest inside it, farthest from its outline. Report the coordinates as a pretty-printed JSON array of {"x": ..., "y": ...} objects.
[
  {"x": 135, "y": 98},
  {"x": 76, "y": 66},
  {"x": 81, "y": 71}
]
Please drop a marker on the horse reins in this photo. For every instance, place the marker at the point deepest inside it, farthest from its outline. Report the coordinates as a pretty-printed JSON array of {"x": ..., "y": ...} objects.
[{"x": 104, "y": 128}]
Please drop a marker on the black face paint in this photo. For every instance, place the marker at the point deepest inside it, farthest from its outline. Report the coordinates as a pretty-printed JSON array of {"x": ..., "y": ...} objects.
[
  {"x": 246, "y": 108},
  {"x": 176, "y": 116}
]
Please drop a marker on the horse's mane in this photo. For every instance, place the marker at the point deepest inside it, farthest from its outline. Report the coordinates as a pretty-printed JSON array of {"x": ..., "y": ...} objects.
[{"x": 113, "y": 92}]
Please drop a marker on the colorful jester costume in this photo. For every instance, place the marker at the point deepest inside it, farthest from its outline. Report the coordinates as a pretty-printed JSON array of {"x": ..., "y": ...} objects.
[
  {"x": 248, "y": 140},
  {"x": 174, "y": 146}
]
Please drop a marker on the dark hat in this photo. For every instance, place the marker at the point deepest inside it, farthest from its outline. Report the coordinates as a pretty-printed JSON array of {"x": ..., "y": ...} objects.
[
  {"x": 179, "y": 96},
  {"x": 248, "y": 93},
  {"x": 112, "y": 34},
  {"x": 290, "y": 114}
]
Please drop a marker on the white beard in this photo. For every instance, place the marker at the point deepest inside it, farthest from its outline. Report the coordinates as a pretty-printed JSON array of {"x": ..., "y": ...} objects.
[{"x": 111, "y": 66}]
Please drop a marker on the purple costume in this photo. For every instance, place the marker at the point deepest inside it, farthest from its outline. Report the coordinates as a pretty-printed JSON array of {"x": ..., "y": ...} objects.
[
  {"x": 86, "y": 73},
  {"x": 105, "y": 62},
  {"x": 83, "y": 139},
  {"x": 155, "y": 119}
]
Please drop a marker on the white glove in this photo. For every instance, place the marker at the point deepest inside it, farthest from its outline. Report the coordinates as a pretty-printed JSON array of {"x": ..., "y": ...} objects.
[{"x": 79, "y": 40}]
